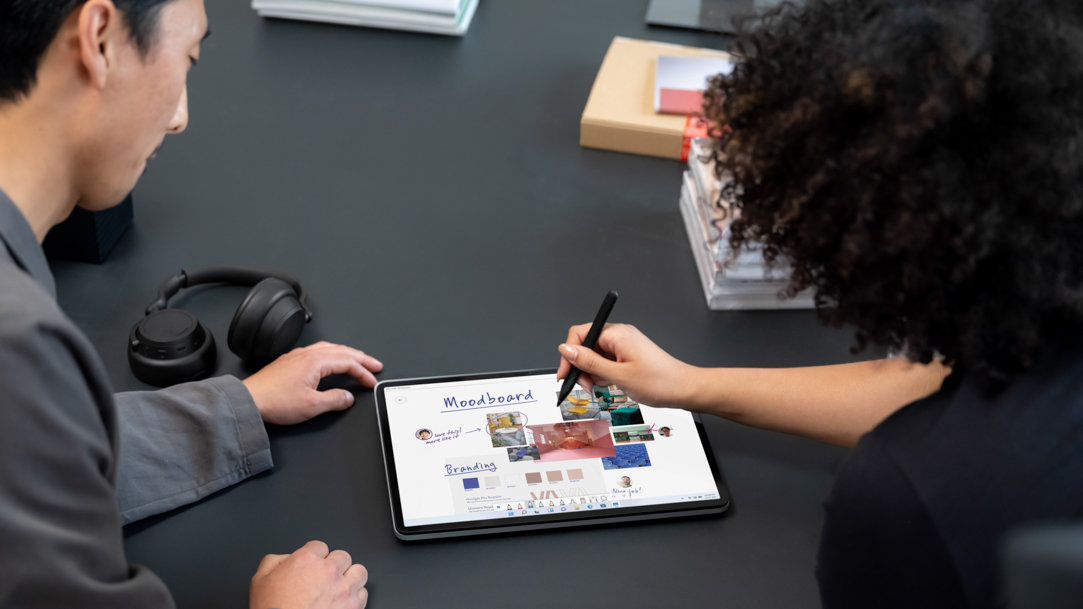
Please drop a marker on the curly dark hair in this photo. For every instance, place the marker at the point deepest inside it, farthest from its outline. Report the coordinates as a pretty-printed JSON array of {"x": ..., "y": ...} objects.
[{"x": 920, "y": 164}]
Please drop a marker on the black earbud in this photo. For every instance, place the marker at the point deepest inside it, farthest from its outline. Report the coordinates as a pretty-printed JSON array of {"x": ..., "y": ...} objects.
[{"x": 171, "y": 346}]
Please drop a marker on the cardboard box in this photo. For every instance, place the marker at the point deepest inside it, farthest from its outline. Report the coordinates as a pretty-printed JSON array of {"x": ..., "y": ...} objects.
[{"x": 620, "y": 115}]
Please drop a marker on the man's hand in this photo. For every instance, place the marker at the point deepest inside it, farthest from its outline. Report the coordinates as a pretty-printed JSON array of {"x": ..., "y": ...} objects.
[
  {"x": 313, "y": 577},
  {"x": 285, "y": 390}
]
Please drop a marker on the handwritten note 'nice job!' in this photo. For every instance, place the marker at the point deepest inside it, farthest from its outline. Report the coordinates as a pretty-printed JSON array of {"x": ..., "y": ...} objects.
[{"x": 487, "y": 399}]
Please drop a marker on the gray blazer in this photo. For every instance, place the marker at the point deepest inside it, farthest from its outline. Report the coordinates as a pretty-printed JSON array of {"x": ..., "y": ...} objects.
[{"x": 77, "y": 462}]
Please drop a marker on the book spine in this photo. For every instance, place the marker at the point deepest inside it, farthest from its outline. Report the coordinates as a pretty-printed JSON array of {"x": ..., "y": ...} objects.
[
  {"x": 699, "y": 254},
  {"x": 607, "y": 135}
]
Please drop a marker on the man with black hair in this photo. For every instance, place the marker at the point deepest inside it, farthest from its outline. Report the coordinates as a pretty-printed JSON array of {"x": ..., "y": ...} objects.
[
  {"x": 88, "y": 91},
  {"x": 919, "y": 164}
]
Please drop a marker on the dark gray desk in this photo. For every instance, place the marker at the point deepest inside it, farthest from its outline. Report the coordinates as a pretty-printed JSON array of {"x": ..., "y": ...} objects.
[{"x": 431, "y": 194}]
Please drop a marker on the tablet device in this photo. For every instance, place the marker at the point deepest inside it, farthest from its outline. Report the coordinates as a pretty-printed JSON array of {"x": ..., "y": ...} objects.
[{"x": 493, "y": 453}]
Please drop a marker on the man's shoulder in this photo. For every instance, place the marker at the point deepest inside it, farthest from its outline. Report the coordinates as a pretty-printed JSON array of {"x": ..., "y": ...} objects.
[
  {"x": 40, "y": 344},
  {"x": 32, "y": 323},
  {"x": 24, "y": 305}
]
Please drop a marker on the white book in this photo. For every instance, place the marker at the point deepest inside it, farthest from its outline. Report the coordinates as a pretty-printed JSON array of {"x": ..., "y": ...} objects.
[
  {"x": 747, "y": 266},
  {"x": 704, "y": 263},
  {"x": 679, "y": 82},
  {"x": 332, "y": 11},
  {"x": 712, "y": 231},
  {"x": 448, "y": 7},
  {"x": 723, "y": 291},
  {"x": 708, "y": 186},
  {"x": 728, "y": 302}
]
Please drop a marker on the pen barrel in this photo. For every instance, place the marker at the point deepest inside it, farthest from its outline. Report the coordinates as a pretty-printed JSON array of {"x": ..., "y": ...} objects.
[
  {"x": 599, "y": 320},
  {"x": 588, "y": 342},
  {"x": 569, "y": 384}
]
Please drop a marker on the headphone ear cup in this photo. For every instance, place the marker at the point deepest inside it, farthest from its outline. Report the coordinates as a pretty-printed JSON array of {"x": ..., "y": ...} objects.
[
  {"x": 267, "y": 323},
  {"x": 170, "y": 346}
]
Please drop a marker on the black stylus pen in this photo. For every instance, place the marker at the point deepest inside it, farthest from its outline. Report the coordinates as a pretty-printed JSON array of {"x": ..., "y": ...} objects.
[{"x": 588, "y": 342}]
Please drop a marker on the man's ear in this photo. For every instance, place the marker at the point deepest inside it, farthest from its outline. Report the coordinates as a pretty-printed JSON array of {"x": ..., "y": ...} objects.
[{"x": 100, "y": 30}]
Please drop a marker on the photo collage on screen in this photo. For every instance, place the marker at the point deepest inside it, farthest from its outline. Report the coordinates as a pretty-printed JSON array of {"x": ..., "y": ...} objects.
[
  {"x": 504, "y": 447},
  {"x": 582, "y": 457}
]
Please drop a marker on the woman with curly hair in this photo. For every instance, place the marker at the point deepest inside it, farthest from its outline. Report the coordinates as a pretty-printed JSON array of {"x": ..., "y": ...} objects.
[{"x": 919, "y": 163}]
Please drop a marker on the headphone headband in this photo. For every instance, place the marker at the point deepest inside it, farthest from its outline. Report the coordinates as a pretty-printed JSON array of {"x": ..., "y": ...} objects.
[{"x": 236, "y": 274}]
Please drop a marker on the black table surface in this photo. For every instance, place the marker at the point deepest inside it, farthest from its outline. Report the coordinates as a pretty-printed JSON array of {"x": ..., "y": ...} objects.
[{"x": 431, "y": 194}]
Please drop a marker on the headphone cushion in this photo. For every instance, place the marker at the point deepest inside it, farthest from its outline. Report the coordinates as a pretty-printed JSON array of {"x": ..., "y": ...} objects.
[
  {"x": 267, "y": 323},
  {"x": 170, "y": 346}
]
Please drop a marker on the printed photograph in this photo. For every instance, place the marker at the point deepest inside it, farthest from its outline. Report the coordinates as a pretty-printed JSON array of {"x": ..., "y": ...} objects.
[
  {"x": 632, "y": 433},
  {"x": 523, "y": 453},
  {"x": 506, "y": 429},
  {"x": 630, "y": 455},
  {"x": 571, "y": 440},
  {"x": 608, "y": 404}
]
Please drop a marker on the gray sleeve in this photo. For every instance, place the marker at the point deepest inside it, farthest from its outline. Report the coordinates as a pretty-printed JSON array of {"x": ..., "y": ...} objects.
[
  {"x": 183, "y": 443},
  {"x": 61, "y": 543}
]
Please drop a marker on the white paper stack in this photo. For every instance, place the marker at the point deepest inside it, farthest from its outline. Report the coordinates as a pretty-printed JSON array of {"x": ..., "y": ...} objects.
[
  {"x": 451, "y": 17},
  {"x": 741, "y": 283}
]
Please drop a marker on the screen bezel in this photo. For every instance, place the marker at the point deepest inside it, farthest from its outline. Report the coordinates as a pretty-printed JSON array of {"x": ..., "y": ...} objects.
[{"x": 531, "y": 522}]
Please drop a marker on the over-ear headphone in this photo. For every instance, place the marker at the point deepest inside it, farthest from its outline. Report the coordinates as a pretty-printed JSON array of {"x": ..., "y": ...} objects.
[{"x": 170, "y": 345}]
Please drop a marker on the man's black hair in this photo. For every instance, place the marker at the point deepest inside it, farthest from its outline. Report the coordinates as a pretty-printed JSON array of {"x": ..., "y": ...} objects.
[{"x": 28, "y": 27}]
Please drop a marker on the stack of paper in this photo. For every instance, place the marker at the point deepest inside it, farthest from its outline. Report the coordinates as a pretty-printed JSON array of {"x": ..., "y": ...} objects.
[
  {"x": 741, "y": 283},
  {"x": 450, "y": 17}
]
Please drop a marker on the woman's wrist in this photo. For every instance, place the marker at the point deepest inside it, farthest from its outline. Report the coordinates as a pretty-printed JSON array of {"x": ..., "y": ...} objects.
[{"x": 689, "y": 388}]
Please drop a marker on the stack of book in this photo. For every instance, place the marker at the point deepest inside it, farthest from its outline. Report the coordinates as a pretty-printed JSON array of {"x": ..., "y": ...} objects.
[
  {"x": 450, "y": 17},
  {"x": 741, "y": 282}
]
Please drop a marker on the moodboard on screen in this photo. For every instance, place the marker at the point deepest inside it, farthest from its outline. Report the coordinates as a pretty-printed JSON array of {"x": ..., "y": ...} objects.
[{"x": 499, "y": 448}]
